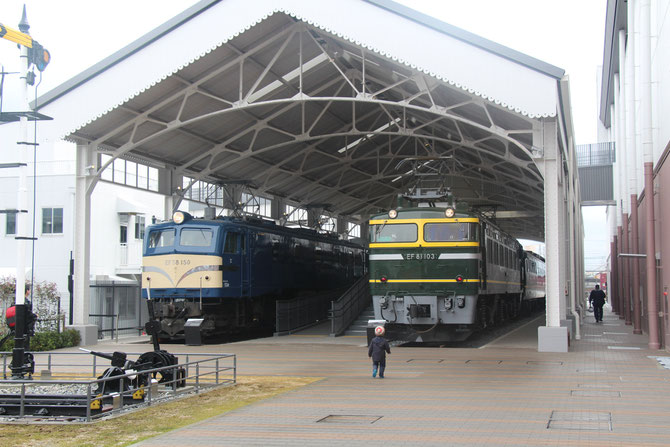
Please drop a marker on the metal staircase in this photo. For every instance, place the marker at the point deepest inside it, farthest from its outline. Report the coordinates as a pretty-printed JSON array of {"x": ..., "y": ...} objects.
[
  {"x": 349, "y": 306},
  {"x": 360, "y": 324}
]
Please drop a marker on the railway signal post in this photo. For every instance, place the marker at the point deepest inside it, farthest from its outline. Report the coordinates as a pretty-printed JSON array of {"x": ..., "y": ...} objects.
[{"x": 32, "y": 53}]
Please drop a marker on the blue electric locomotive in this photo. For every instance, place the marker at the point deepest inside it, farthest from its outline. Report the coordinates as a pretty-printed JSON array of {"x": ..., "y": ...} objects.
[{"x": 230, "y": 271}]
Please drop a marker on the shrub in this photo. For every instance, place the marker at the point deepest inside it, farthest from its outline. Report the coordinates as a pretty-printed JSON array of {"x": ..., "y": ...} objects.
[{"x": 47, "y": 341}]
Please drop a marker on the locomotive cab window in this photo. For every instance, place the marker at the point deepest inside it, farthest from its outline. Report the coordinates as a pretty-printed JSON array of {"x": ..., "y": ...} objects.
[
  {"x": 195, "y": 237},
  {"x": 449, "y": 232},
  {"x": 394, "y": 233},
  {"x": 161, "y": 238},
  {"x": 231, "y": 243}
]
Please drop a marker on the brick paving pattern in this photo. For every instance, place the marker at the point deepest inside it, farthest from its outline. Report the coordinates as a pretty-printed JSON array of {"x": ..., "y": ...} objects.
[{"x": 602, "y": 393}]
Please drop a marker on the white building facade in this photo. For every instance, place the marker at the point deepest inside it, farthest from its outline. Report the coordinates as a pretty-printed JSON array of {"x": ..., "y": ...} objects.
[{"x": 635, "y": 99}]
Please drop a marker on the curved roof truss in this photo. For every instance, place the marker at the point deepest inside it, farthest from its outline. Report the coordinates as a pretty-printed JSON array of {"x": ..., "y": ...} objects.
[{"x": 302, "y": 114}]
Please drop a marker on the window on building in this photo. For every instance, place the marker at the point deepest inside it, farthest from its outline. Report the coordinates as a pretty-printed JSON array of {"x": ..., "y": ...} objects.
[
  {"x": 119, "y": 171},
  {"x": 108, "y": 173},
  {"x": 130, "y": 173},
  {"x": 139, "y": 227},
  {"x": 256, "y": 205},
  {"x": 153, "y": 179},
  {"x": 328, "y": 223},
  {"x": 52, "y": 220},
  {"x": 202, "y": 191},
  {"x": 123, "y": 234},
  {"x": 10, "y": 224},
  {"x": 142, "y": 176},
  {"x": 353, "y": 230},
  {"x": 296, "y": 215}
]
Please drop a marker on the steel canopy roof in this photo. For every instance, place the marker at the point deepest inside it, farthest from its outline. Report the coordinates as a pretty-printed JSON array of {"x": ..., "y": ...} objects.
[{"x": 308, "y": 115}]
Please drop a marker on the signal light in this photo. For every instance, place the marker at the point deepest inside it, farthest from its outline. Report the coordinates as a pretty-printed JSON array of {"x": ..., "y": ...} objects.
[
  {"x": 459, "y": 278},
  {"x": 383, "y": 279},
  {"x": 39, "y": 56}
]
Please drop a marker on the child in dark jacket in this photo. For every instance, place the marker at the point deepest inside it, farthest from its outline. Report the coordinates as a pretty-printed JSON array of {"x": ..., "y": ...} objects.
[{"x": 377, "y": 350}]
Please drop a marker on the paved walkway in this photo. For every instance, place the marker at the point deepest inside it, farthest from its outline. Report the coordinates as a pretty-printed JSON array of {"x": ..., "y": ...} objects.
[{"x": 607, "y": 391}]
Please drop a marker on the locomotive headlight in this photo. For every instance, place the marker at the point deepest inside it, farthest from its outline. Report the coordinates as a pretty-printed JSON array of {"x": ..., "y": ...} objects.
[
  {"x": 449, "y": 212},
  {"x": 393, "y": 214},
  {"x": 178, "y": 217},
  {"x": 460, "y": 302}
]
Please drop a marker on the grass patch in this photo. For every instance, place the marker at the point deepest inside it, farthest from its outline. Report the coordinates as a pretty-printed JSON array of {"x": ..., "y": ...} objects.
[{"x": 152, "y": 421}]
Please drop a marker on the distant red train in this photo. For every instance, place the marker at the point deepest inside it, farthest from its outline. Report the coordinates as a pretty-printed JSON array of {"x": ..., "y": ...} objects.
[{"x": 534, "y": 276}]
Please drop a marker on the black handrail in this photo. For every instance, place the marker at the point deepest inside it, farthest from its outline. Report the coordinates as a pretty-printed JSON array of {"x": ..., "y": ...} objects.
[{"x": 346, "y": 309}]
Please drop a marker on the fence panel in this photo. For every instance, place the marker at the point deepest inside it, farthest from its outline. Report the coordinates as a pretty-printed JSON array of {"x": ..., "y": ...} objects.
[{"x": 299, "y": 313}]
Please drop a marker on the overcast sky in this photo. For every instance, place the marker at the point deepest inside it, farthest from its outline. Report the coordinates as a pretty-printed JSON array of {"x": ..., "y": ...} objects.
[{"x": 568, "y": 34}]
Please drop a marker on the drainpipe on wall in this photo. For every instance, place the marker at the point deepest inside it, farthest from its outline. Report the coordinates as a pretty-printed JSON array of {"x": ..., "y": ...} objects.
[
  {"x": 622, "y": 304},
  {"x": 612, "y": 286},
  {"x": 626, "y": 271},
  {"x": 635, "y": 266}
]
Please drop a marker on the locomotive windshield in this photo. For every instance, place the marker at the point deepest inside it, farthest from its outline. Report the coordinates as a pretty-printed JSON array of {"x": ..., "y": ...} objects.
[
  {"x": 195, "y": 237},
  {"x": 394, "y": 233},
  {"x": 161, "y": 238},
  {"x": 449, "y": 231}
]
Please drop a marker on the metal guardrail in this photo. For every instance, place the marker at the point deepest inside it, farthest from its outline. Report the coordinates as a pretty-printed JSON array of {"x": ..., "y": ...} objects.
[
  {"x": 59, "y": 320},
  {"x": 115, "y": 329},
  {"x": 300, "y": 313},
  {"x": 200, "y": 374},
  {"x": 597, "y": 154},
  {"x": 347, "y": 308},
  {"x": 115, "y": 325}
]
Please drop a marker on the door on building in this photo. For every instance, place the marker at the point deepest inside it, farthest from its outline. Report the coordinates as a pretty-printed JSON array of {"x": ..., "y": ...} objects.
[{"x": 123, "y": 239}]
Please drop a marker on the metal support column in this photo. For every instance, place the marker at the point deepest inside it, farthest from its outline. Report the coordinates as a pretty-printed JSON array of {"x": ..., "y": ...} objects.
[
  {"x": 85, "y": 182},
  {"x": 552, "y": 337}
]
